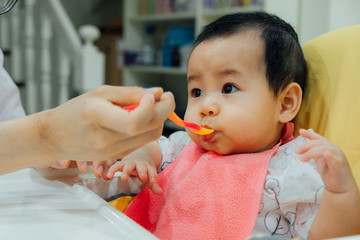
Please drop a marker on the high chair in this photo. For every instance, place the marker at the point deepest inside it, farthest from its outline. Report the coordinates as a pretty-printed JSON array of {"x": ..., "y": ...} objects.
[{"x": 332, "y": 105}]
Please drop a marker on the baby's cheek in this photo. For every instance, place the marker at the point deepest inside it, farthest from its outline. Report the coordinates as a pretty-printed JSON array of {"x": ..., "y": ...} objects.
[{"x": 193, "y": 136}]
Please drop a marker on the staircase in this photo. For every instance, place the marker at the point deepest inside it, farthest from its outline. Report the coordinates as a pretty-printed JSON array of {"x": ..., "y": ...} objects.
[{"x": 48, "y": 59}]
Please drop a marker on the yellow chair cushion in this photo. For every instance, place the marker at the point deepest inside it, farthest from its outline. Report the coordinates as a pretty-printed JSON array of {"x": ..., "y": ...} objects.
[
  {"x": 332, "y": 105},
  {"x": 121, "y": 203}
]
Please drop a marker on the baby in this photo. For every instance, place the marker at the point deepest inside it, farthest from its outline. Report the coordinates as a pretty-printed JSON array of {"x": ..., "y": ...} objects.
[{"x": 246, "y": 78}]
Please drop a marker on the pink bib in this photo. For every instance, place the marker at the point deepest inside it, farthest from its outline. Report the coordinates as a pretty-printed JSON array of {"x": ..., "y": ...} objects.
[{"x": 206, "y": 195}]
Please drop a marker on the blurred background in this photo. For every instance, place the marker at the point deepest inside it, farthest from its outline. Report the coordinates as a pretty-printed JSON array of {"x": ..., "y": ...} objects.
[{"x": 57, "y": 49}]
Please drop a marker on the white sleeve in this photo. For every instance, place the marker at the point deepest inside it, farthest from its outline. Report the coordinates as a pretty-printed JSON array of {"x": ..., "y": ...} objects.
[
  {"x": 171, "y": 147},
  {"x": 291, "y": 196},
  {"x": 301, "y": 193},
  {"x": 10, "y": 104}
]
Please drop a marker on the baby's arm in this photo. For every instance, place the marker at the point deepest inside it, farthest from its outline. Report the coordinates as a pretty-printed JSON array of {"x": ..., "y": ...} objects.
[
  {"x": 142, "y": 162},
  {"x": 339, "y": 213}
]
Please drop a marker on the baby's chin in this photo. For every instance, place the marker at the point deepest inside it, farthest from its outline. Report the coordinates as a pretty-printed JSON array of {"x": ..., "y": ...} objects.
[
  {"x": 214, "y": 147},
  {"x": 225, "y": 149},
  {"x": 225, "y": 146}
]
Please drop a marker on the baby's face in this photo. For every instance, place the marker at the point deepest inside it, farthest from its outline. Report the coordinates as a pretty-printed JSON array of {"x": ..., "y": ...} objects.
[{"x": 228, "y": 91}]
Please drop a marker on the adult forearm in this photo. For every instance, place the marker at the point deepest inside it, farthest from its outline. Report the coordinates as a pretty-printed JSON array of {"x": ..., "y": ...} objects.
[
  {"x": 339, "y": 215},
  {"x": 90, "y": 127},
  {"x": 22, "y": 145}
]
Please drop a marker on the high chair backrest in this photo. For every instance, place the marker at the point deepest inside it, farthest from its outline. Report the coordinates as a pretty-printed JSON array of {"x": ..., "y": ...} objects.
[{"x": 332, "y": 105}]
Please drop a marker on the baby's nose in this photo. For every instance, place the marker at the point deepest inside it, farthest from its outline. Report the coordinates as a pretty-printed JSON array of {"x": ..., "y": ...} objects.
[{"x": 209, "y": 107}]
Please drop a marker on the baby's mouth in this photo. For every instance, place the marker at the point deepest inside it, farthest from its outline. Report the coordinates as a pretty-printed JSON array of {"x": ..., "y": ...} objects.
[
  {"x": 207, "y": 126},
  {"x": 208, "y": 138}
]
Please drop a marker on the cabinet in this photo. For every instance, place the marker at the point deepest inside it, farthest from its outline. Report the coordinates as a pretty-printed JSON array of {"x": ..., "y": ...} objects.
[{"x": 174, "y": 78}]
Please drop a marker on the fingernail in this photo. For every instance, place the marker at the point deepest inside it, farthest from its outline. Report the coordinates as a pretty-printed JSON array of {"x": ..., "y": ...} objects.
[
  {"x": 62, "y": 162},
  {"x": 84, "y": 165},
  {"x": 148, "y": 98},
  {"x": 152, "y": 90},
  {"x": 100, "y": 169}
]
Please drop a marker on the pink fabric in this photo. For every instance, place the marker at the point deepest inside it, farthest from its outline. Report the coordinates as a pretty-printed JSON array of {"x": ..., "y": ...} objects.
[{"x": 206, "y": 195}]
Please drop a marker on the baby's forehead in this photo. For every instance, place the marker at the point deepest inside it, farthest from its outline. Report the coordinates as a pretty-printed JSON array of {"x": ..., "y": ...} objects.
[
  {"x": 248, "y": 39},
  {"x": 253, "y": 36},
  {"x": 242, "y": 52}
]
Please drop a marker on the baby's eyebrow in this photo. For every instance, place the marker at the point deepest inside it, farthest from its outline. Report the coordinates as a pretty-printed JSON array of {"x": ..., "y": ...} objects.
[
  {"x": 229, "y": 72},
  {"x": 233, "y": 74},
  {"x": 192, "y": 77}
]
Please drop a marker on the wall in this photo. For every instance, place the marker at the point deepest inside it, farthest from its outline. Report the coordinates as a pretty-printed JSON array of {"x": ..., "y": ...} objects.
[
  {"x": 321, "y": 16},
  {"x": 311, "y": 18},
  {"x": 314, "y": 19},
  {"x": 343, "y": 13},
  {"x": 95, "y": 12}
]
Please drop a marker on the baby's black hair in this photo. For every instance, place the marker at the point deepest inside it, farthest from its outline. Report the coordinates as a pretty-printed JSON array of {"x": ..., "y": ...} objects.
[{"x": 284, "y": 58}]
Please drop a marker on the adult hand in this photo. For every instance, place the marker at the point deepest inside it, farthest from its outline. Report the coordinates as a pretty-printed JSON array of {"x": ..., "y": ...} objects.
[
  {"x": 94, "y": 127},
  {"x": 91, "y": 127},
  {"x": 46, "y": 167}
]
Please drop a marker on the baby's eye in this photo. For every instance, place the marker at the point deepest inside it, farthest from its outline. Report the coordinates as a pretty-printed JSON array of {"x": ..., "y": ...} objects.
[
  {"x": 229, "y": 88},
  {"x": 196, "y": 92}
]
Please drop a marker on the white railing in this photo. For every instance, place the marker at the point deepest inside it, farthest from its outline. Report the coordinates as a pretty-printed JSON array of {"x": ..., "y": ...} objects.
[{"x": 47, "y": 54}]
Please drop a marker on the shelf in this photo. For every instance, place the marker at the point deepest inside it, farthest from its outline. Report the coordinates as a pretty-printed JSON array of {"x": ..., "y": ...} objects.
[
  {"x": 157, "y": 70},
  {"x": 223, "y": 11},
  {"x": 176, "y": 16},
  {"x": 164, "y": 17}
]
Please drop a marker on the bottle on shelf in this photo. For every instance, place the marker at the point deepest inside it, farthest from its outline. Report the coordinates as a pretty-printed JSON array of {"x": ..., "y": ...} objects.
[
  {"x": 177, "y": 37},
  {"x": 175, "y": 60},
  {"x": 148, "y": 51}
]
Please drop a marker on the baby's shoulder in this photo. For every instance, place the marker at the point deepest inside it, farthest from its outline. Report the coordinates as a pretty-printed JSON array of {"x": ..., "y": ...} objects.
[{"x": 286, "y": 159}]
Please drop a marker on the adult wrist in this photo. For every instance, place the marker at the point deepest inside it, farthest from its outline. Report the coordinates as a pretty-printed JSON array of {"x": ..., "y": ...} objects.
[{"x": 43, "y": 132}]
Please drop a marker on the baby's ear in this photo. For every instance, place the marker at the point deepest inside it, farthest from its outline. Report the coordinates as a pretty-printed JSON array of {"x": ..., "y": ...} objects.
[{"x": 290, "y": 97}]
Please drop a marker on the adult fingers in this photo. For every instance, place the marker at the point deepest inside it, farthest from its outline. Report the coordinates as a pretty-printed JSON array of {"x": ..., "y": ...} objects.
[
  {"x": 45, "y": 167},
  {"x": 81, "y": 165},
  {"x": 165, "y": 106},
  {"x": 61, "y": 164},
  {"x": 124, "y": 96},
  {"x": 148, "y": 115},
  {"x": 98, "y": 169},
  {"x": 113, "y": 117}
]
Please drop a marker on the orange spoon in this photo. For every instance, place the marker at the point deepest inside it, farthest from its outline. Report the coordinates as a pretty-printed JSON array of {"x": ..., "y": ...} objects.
[
  {"x": 177, "y": 120},
  {"x": 194, "y": 127}
]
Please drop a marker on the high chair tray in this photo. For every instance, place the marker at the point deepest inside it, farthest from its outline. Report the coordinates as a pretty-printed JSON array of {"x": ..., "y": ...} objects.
[{"x": 32, "y": 207}]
